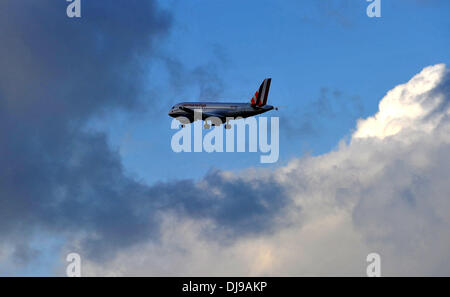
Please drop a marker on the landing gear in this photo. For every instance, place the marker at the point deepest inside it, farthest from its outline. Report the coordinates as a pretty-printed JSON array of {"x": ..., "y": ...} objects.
[
  {"x": 227, "y": 125},
  {"x": 215, "y": 123}
]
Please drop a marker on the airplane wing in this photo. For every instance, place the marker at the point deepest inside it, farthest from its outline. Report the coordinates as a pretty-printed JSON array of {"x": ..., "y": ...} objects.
[{"x": 210, "y": 114}]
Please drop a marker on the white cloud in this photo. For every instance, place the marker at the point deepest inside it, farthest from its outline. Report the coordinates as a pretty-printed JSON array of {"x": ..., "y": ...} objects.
[
  {"x": 406, "y": 106},
  {"x": 386, "y": 191}
]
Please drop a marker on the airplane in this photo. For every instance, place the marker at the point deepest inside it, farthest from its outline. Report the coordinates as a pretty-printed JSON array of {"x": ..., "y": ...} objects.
[{"x": 184, "y": 112}]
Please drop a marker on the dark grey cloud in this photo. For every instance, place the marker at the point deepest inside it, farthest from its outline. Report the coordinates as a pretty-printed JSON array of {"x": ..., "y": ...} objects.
[
  {"x": 57, "y": 73},
  {"x": 239, "y": 205}
]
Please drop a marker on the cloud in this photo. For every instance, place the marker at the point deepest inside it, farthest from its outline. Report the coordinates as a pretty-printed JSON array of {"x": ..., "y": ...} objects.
[
  {"x": 55, "y": 176},
  {"x": 381, "y": 192},
  {"x": 411, "y": 105},
  {"x": 385, "y": 191}
]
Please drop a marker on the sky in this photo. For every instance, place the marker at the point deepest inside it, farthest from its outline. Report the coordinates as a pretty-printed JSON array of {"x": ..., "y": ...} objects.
[
  {"x": 327, "y": 60},
  {"x": 87, "y": 165}
]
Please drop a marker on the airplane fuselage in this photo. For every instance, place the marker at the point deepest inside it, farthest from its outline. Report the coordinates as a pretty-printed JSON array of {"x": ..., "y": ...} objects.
[{"x": 222, "y": 112}]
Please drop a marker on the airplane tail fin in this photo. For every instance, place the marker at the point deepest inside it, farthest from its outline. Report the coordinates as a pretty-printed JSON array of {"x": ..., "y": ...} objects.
[{"x": 260, "y": 98}]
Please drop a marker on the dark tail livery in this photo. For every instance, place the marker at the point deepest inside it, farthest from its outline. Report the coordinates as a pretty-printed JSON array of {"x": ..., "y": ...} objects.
[{"x": 260, "y": 98}]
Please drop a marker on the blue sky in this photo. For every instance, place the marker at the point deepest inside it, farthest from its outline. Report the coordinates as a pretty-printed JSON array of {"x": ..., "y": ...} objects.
[{"x": 330, "y": 65}]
